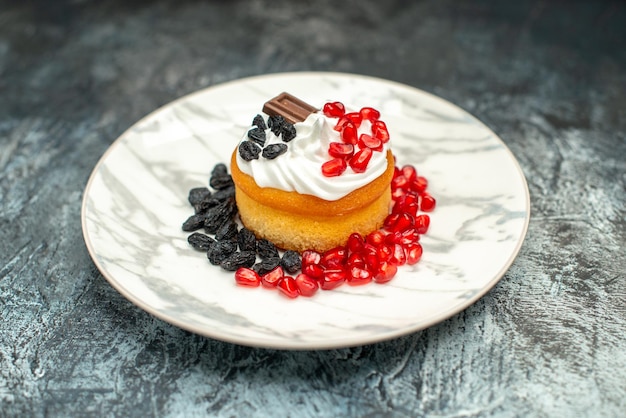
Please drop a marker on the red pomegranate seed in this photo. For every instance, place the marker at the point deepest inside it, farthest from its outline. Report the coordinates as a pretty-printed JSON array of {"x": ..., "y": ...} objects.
[
  {"x": 400, "y": 182},
  {"x": 385, "y": 251},
  {"x": 398, "y": 257},
  {"x": 271, "y": 279},
  {"x": 332, "y": 278},
  {"x": 379, "y": 129},
  {"x": 422, "y": 222},
  {"x": 369, "y": 113},
  {"x": 375, "y": 238},
  {"x": 314, "y": 270},
  {"x": 396, "y": 171},
  {"x": 413, "y": 253},
  {"x": 334, "y": 258},
  {"x": 349, "y": 133},
  {"x": 355, "y": 117},
  {"x": 393, "y": 238},
  {"x": 409, "y": 172},
  {"x": 408, "y": 199},
  {"x": 405, "y": 221},
  {"x": 310, "y": 257},
  {"x": 360, "y": 160},
  {"x": 307, "y": 285},
  {"x": 247, "y": 277},
  {"x": 368, "y": 141},
  {"x": 419, "y": 185},
  {"x": 288, "y": 287},
  {"x": 340, "y": 150},
  {"x": 355, "y": 242},
  {"x": 427, "y": 202},
  {"x": 371, "y": 261},
  {"x": 409, "y": 236},
  {"x": 359, "y": 276},
  {"x": 385, "y": 272},
  {"x": 334, "y": 167},
  {"x": 334, "y": 109},
  {"x": 341, "y": 122},
  {"x": 397, "y": 194},
  {"x": 356, "y": 260}
]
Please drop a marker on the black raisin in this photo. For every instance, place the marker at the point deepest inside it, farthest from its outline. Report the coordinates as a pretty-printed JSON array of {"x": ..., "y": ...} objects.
[
  {"x": 224, "y": 194},
  {"x": 274, "y": 150},
  {"x": 246, "y": 240},
  {"x": 266, "y": 249},
  {"x": 194, "y": 222},
  {"x": 288, "y": 131},
  {"x": 291, "y": 261},
  {"x": 205, "y": 205},
  {"x": 257, "y": 135},
  {"x": 238, "y": 259},
  {"x": 258, "y": 121},
  {"x": 228, "y": 230},
  {"x": 219, "y": 169},
  {"x": 249, "y": 150},
  {"x": 216, "y": 216},
  {"x": 200, "y": 241},
  {"x": 267, "y": 265},
  {"x": 221, "y": 182},
  {"x": 220, "y": 250},
  {"x": 198, "y": 194},
  {"x": 275, "y": 123}
]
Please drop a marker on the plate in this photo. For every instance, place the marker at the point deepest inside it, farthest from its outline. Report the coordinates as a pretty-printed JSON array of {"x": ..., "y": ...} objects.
[{"x": 136, "y": 200}]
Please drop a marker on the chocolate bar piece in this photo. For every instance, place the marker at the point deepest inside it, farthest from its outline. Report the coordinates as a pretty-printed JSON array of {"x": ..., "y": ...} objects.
[{"x": 288, "y": 106}]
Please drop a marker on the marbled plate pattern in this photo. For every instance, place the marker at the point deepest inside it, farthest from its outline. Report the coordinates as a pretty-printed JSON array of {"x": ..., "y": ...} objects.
[{"x": 135, "y": 202}]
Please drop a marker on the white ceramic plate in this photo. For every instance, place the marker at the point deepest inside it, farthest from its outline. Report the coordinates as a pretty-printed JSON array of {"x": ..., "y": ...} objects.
[{"x": 136, "y": 200}]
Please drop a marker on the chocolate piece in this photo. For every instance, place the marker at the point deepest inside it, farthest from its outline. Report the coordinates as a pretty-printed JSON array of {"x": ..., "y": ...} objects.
[{"x": 290, "y": 107}]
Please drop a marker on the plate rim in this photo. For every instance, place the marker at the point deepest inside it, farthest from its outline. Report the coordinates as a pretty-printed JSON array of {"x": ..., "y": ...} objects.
[{"x": 319, "y": 344}]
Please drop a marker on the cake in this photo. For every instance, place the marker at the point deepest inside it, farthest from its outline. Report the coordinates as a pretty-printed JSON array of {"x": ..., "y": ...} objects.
[{"x": 307, "y": 178}]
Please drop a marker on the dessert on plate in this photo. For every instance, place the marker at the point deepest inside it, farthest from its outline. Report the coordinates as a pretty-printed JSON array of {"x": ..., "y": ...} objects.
[{"x": 307, "y": 178}]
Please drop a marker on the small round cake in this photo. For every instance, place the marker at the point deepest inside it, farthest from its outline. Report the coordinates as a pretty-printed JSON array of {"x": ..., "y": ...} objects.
[{"x": 307, "y": 179}]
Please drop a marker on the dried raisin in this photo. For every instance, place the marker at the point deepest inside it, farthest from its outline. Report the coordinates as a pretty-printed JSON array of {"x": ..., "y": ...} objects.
[
  {"x": 275, "y": 123},
  {"x": 228, "y": 230},
  {"x": 291, "y": 261},
  {"x": 222, "y": 181},
  {"x": 224, "y": 194},
  {"x": 258, "y": 121},
  {"x": 216, "y": 216},
  {"x": 220, "y": 250},
  {"x": 238, "y": 259},
  {"x": 257, "y": 135},
  {"x": 267, "y": 265},
  {"x": 266, "y": 249},
  {"x": 194, "y": 222},
  {"x": 198, "y": 194},
  {"x": 249, "y": 151},
  {"x": 274, "y": 150},
  {"x": 200, "y": 241},
  {"x": 246, "y": 240},
  {"x": 288, "y": 132}
]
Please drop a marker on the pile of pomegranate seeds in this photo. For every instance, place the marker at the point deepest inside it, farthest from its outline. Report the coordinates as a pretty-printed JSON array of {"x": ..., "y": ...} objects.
[
  {"x": 375, "y": 257},
  {"x": 355, "y": 150}
]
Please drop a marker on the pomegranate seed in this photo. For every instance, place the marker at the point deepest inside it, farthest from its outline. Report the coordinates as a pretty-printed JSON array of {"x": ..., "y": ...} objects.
[
  {"x": 356, "y": 260},
  {"x": 391, "y": 220},
  {"x": 247, "y": 277},
  {"x": 334, "y": 109},
  {"x": 409, "y": 236},
  {"x": 288, "y": 287},
  {"x": 385, "y": 251},
  {"x": 398, "y": 257},
  {"x": 332, "y": 278},
  {"x": 367, "y": 141},
  {"x": 419, "y": 185},
  {"x": 334, "y": 258},
  {"x": 359, "y": 276},
  {"x": 379, "y": 129},
  {"x": 396, "y": 170},
  {"x": 409, "y": 172},
  {"x": 341, "y": 122},
  {"x": 385, "y": 272},
  {"x": 355, "y": 117},
  {"x": 400, "y": 182},
  {"x": 405, "y": 221},
  {"x": 340, "y": 150},
  {"x": 375, "y": 238},
  {"x": 310, "y": 257},
  {"x": 369, "y": 113},
  {"x": 427, "y": 202},
  {"x": 393, "y": 238},
  {"x": 360, "y": 160},
  {"x": 307, "y": 285},
  {"x": 413, "y": 253},
  {"x": 355, "y": 243},
  {"x": 422, "y": 222},
  {"x": 397, "y": 194},
  {"x": 314, "y": 270},
  {"x": 334, "y": 167},
  {"x": 408, "y": 199},
  {"x": 349, "y": 133},
  {"x": 271, "y": 279},
  {"x": 371, "y": 261}
]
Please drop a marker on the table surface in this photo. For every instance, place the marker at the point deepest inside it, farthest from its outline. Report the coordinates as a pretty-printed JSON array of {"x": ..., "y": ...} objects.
[{"x": 548, "y": 77}]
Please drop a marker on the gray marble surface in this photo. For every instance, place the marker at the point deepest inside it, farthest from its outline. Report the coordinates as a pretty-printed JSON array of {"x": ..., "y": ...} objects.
[{"x": 548, "y": 77}]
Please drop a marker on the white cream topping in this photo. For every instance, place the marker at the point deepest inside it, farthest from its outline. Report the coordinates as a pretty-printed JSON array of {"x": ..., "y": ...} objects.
[{"x": 300, "y": 168}]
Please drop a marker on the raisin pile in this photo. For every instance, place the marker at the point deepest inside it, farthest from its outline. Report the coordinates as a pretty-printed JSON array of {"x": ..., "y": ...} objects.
[
  {"x": 254, "y": 146},
  {"x": 225, "y": 244}
]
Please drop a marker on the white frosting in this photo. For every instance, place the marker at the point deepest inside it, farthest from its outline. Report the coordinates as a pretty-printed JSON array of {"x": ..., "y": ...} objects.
[{"x": 300, "y": 168}]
